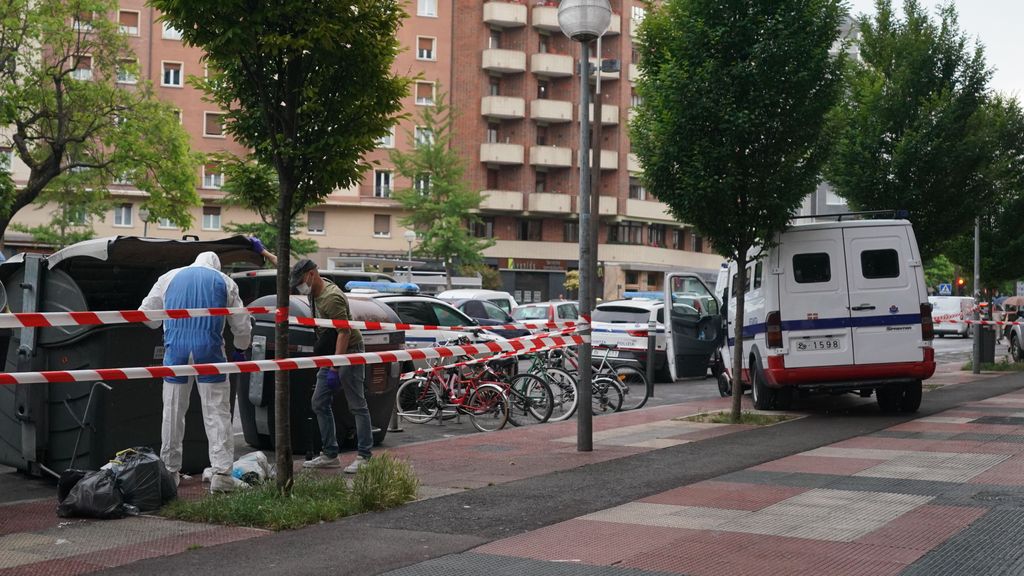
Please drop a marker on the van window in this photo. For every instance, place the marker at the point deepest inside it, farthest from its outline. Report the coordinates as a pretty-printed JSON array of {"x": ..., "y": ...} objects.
[
  {"x": 877, "y": 264},
  {"x": 758, "y": 272},
  {"x": 812, "y": 268}
]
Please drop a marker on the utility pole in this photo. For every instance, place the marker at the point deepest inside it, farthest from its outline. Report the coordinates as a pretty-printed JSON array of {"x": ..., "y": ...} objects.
[{"x": 976, "y": 362}]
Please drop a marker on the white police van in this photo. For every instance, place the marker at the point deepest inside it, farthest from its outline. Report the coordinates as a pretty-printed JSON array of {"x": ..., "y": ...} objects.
[{"x": 832, "y": 307}]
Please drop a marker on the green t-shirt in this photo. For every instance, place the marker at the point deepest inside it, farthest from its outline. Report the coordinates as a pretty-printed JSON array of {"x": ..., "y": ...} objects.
[{"x": 332, "y": 304}]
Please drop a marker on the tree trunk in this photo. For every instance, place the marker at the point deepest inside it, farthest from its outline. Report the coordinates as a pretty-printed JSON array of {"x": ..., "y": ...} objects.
[
  {"x": 737, "y": 351},
  {"x": 282, "y": 390},
  {"x": 448, "y": 274},
  {"x": 21, "y": 200}
]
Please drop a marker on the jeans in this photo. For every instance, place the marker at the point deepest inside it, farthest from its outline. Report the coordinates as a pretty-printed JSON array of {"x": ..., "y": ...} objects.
[{"x": 353, "y": 382}]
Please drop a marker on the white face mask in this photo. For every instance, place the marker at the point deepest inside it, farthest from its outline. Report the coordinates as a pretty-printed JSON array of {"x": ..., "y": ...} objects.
[{"x": 302, "y": 289}]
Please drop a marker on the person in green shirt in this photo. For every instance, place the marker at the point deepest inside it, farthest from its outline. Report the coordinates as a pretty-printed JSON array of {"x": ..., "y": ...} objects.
[{"x": 328, "y": 301}]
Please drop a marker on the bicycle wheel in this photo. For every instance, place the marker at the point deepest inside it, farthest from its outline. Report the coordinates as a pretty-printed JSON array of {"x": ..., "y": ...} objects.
[
  {"x": 634, "y": 386},
  {"x": 418, "y": 400},
  {"x": 563, "y": 386},
  {"x": 487, "y": 407},
  {"x": 529, "y": 395},
  {"x": 606, "y": 396}
]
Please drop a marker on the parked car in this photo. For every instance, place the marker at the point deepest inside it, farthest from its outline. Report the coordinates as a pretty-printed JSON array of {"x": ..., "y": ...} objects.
[
  {"x": 624, "y": 324},
  {"x": 949, "y": 313},
  {"x": 554, "y": 311},
  {"x": 487, "y": 313},
  {"x": 256, "y": 283},
  {"x": 502, "y": 300}
]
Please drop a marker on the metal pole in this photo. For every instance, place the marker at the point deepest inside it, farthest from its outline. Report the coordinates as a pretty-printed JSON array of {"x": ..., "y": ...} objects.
[
  {"x": 652, "y": 345},
  {"x": 976, "y": 363},
  {"x": 584, "y": 422},
  {"x": 408, "y": 267},
  {"x": 595, "y": 191}
]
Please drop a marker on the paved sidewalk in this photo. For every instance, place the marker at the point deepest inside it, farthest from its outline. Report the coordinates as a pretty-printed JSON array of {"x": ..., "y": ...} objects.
[{"x": 34, "y": 541}]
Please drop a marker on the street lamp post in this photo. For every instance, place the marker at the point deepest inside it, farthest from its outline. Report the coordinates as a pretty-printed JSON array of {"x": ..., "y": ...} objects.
[
  {"x": 583, "y": 21},
  {"x": 144, "y": 215},
  {"x": 410, "y": 237}
]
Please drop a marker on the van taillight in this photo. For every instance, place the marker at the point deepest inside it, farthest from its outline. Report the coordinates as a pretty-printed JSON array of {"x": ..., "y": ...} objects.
[
  {"x": 773, "y": 325},
  {"x": 637, "y": 333},
  {"x": 927, "y": 329}
]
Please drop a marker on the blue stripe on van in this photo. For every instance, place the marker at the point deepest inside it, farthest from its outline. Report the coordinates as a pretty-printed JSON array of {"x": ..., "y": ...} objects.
[{"x": 831, "y": 323}]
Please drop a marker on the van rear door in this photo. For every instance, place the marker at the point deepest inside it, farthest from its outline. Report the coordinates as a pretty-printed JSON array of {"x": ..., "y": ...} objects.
[
  {"x": 813, "y": 298},
  {"x": 885, "y": 306}
]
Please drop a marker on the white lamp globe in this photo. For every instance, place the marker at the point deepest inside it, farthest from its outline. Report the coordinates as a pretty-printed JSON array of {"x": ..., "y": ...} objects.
[{"x": 584, "y": 20}]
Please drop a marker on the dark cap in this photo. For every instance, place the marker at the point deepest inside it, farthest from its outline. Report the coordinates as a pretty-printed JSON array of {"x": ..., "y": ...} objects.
[{"x": 299, "y": 270}]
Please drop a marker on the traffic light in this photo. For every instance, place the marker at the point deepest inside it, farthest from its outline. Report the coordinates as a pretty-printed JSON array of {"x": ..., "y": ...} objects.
[{"x": 960, "y": 283}]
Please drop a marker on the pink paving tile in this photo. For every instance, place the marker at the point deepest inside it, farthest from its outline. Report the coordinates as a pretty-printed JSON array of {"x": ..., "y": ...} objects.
[
  {"x": 877, "y": 443},
  {"x": 29, "y": 517},
  {"x": 918, "y": 426},
  {"x": 1010, "y": 472},
  {"x": 818, "y": 465},
  {"x": 169, "y": 545},
  {"x": 923, "y": 528},
  {"x": 61, "y": 567},
  {"x": 726, "y": 495},
  {"x": 586, "y": 541}
]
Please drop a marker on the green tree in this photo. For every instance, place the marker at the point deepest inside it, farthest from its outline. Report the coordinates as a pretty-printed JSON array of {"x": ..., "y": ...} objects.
[
  {"x": 939, "y": 270},
  {"x": 730, "y": 132},
  {"x": 441, "y": 207},
  {"x": 58, "y": 63},
  {"x": 73, "y": 204},
  {"x": 309, "y": 88},
  {"x": 912, "y": 131},
  {"x": 572, "y": 282}
]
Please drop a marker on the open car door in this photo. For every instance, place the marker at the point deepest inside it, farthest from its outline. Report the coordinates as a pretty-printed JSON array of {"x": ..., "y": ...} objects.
[{"x": 693, "y": 325}]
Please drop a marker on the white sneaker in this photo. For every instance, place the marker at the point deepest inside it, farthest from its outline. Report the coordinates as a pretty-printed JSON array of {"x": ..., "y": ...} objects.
[
  {"x": 322, "y": 461},
  {"x": 356, "y": 464},
  {"x": 207, "y": 475},
  {"x": 225, "y": 483}
]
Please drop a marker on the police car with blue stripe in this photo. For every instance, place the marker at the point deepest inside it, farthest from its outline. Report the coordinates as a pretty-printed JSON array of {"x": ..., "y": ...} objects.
[{"x": 620, "y": 329}]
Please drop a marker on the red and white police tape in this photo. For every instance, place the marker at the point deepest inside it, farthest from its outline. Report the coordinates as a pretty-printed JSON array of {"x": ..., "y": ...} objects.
[
  {"x": 531, "y": 342},
  {"x": 982, "y": 322}
]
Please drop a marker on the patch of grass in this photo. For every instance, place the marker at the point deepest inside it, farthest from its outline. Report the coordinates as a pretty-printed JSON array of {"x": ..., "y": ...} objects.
[
  {"x": 746, "y": 417},
  {"x": 382, "y": 483},
  {"x": 1003, "y": 366}
]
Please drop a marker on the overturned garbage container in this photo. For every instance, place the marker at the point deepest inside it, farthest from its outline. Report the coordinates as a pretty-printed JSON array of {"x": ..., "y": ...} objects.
[
  {"x": 256, "y": 390},
  {"x": 44, "y": 427}
]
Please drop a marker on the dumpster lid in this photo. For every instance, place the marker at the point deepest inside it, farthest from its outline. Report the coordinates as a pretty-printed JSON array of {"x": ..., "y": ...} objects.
[{"x": 157, "y": 252}]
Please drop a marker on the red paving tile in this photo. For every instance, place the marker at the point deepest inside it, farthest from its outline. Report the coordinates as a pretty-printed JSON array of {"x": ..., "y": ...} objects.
[
  {"x": 1010, "y": 472},
  {"x": 29, "y": 517},
  {"x": 917, "y": 426},
  {"x": 877, "y": 443},
  {"x": 62, "y": 567},
  {"x": 818, "y": 464},
  {"x": 727, "y": 495},
  {"x": 923, "y": 528}
]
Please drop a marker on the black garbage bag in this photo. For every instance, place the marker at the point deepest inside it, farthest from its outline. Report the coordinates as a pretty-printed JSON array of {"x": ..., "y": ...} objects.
[
  {"x": 143, "y": 479},
  {"x": 94, "y": 495}
]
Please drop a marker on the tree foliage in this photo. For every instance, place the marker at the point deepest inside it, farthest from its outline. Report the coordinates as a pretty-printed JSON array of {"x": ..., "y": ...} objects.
[
  {"x": 730, "y": 132},
  {"x": 913, "y": 130},
  {"x": 939, "y": 270},
  {"x": 73, "y": 203},
  {"x": 441, "y": 207},
  {"x": 309, "y": 88},
  {"x": 58, "y": 64}
]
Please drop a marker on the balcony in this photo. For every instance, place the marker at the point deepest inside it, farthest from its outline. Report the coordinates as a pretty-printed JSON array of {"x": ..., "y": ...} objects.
[
  {"x": 501, "y": 154},
  {"x": 501, "y": 201},
  {"x": 551, "y": 111},
  {"x": 647, "y": 210},
  {"x": 546, "y": 18},
  {"x": 633, "y": 163},
  {"x": 550, "y": 203},
  {"x": 504, "y": 61},
  {"x": 608, "y": 206},
  {"x": 502, "y": 107},
  {"x": 551, "y": 65},
  {"x": 604, "y": 75},
  {"x": 609, "y": 159},
  {"x": 634, "y": 73},
  {"x": 505, "y": 14},
  {"x": 615, "y": 26},
  {"x": 551, "y": 156},
  {"x": 609, "y": 114}
]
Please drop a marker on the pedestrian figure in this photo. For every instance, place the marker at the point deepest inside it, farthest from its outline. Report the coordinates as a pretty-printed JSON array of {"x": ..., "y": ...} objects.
[{"x": 328, "y": 301}]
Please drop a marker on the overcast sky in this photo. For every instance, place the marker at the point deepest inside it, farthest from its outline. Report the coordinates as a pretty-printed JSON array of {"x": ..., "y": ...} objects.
[{"x": 996, "y": 23}]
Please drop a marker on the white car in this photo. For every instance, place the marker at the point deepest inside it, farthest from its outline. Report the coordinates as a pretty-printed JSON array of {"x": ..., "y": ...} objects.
[
  {"x": 502, "y": 300},
  {"x": 624, "y": 324},
  {"x": 949, "y": 313}
]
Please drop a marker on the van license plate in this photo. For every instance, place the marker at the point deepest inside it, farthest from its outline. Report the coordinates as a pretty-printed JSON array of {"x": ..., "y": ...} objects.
[
  {"x": 817, "y": 344},
  {"x": 609, "y": 353}
]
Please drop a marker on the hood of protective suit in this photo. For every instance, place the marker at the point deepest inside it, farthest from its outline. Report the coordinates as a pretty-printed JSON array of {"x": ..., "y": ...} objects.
[{"x": 208, "y": 260}]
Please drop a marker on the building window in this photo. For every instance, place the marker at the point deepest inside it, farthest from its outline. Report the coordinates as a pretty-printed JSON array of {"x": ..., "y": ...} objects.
[
  {"x": 126, "y": 72},
  {"x": 542, "y": 44},
  {"x": 170, "y": 32},
  {"x": 213, "y": 125},
  {"x": 571, "y": 231},
  {"x": 83, "y": 21},
  {"x": 696, "y": 243},
  {"x": 656, "y": 235},
  {"x": 123, "y": 215},
  {"x": 833, "y": 199},
  {"x": 128, "y": 22},
  {"x": 426, "y": 46},
  {"x": 177, "y": 114},
  {"x": 636, "y": 189},
  {"x": 494, "y": 86},
  {"x": 542, "y": 89},
  {"x": 627, "y": 232},
  {"x": 315, "y": 222},
  {"x": 426, "y": 8},
  {"x": 381, "y": 225},
  {"x": 424, "y": 93},
  {"x": 494, "y": 39},
  {"x": 211, "y": 217},
  {"x": 422, "y": 184},
  {"x": 541, "y": 182},
  {"x": 542, "y": 135},
  {"x": 678, "y": 239},
  {"x": 635, "y": 99},
  {"x": 492, "y": 133},
  {"x": 83, "y": 68},
  {"x": 423, "y": 136},
  {"x": 387, "y": 141},
  {"x": 492, "y": 180},
  {"x": 165, "y": 224},
  {"x": 213, "y": 178},
  {"x": 529, "y": 230},
  {"x": 381, "y": 184},
  {"x": 484, "y": 228},
  {"x": 171, "y": 74},
  {"x": 638, "y": 14}
]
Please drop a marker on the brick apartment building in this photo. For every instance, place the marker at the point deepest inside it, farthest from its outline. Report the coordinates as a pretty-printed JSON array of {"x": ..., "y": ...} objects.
[{"x": 512, "y": 80}]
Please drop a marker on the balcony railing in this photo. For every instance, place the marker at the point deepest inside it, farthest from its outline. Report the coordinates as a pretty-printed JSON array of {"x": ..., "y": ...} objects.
[
  {"x": 504, "y": 61},
  {"x": 551, "y": 156},
  {"x": 505, "y": 14},
  {"x": 546, "y": 17},
  {"x": 552, "y": 111},
  {"x": 502, "y": 107},
  {"x": 551, "y": 65},
  {"x": 502, "y": 154}
]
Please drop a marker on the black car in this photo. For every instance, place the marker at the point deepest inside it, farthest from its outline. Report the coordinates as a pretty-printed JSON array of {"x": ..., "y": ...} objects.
[{"x": 488, "y": 314}]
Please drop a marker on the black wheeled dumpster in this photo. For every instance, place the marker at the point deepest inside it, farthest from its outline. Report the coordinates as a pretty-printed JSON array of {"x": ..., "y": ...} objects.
[
  {"x": 39, "y": 423},
  {"x": 256, "y": 391}
]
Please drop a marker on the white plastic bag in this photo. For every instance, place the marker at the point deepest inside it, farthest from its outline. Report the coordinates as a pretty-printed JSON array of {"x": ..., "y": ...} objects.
[{"x": 253, "y": 468}]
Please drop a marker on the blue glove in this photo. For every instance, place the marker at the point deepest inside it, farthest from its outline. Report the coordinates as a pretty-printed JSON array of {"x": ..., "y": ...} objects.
[
  {"x": 256, "y": 245},
  {"x": 238, "y": 356},
  {"x": 333, "y": 380}
]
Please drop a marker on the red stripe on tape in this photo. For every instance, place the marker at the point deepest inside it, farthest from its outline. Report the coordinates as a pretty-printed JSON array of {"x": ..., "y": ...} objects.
[
  {"x": 387, "y": 357},
  {"x": 206, "y": 369},
  {"x": 178, "y": 314},
  {"x": 161, "y": 372},
  {"x": 112, "y": 374},
  {"x": 33, "y": 320},
  {"x": 86, "y": 318},
  {"x": 248, "y": 367},
  {"x": 57, "y": 376},
  {"x": 323, "y": 363},
  {"x": 134, "y": 315},
  {"x": 287, "y": 364},
  {"x": 219, "y": 312}
]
